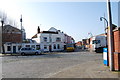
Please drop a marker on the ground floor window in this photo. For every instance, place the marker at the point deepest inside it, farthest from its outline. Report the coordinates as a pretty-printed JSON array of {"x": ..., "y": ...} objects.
[
  {"x": 8, "y": 48},
  {"x": 37, "y": 47},
  {"x": 54, "y": 46},
  {"x": 33, "y": 46},
  {"x": 45, "y": 46},
  {"x": 19, "y": 47},
  {"x": 58, "y": 46}
]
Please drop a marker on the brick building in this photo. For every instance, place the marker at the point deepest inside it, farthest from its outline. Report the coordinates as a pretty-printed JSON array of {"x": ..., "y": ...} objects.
[
  {"x": 116, "y": 38},
  {"x": 116, "y": 50},
  {"x": 11, "y": 34}
]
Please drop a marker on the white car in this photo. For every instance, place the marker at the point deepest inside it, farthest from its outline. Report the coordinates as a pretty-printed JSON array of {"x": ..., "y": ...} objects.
[{"x": 27, "y": 50}]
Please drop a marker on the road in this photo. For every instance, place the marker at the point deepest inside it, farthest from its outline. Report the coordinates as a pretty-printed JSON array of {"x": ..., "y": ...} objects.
[{"x": 43, "y": 66}]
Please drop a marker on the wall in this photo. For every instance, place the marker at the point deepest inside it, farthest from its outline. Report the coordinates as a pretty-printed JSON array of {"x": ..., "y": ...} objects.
[
  {"x": 11, "y": 37},
  {"x": 52, "y": 42},
  {"x": 116, "y": 55},
  {"x": 18, "y": 45}
]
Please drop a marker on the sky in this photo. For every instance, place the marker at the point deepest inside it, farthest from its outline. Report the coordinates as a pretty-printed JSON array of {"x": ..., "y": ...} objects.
[{"x": 76, "y": 19}]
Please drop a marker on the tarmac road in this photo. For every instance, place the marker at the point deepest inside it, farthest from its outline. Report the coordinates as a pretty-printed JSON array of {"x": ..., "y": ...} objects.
[{"x": 44, "y": 66}]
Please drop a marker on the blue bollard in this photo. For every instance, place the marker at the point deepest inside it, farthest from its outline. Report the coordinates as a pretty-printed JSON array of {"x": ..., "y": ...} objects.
[{"x": 105, "y": 56}]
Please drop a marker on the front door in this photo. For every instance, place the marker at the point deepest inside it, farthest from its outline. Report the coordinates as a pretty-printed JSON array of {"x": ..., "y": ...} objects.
[
  {"x": 14, "y": 49},
  {"x": 50, "y": 48}
]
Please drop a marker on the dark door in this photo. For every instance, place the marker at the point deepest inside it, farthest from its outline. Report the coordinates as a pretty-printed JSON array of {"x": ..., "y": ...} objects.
[
  {"x": 14, "y": 49},
  {"x": 50, "y": 48}
]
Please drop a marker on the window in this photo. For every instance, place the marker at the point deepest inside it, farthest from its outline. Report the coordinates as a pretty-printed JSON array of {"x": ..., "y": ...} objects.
[
  {"x": 45, "y": 47},
  {"x": 27, "y": 45},
  {"x": 37, "y": 47},
  {"x": 33, "y": 46},
  {"x": 19, "y": 47},
  {"x": 96, "y": 41},
  {"x": 8, "y": 48},
  {"x": 58, "y": 46},
  {"x": 45, "y": 39},
  {"x": 23, "y": 49},
  {"x": 29, "y": 48},
  {"x": 58, "y": 39},
  {"x": 54, "y": 46}
]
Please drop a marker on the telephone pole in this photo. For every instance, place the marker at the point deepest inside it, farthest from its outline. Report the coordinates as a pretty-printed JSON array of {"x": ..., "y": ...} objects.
[
  {"x": 110, "y": 36},
  {"x": 21, "y": 28}
]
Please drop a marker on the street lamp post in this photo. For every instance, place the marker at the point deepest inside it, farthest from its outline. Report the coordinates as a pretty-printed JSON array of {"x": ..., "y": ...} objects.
[
  {"x": 106, "y": 22},
  {"x": 105, "y": 27},
  {"x": 3, "y": 51}
]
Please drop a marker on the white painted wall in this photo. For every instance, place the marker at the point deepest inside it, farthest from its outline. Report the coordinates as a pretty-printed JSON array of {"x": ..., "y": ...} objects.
[
  {"x": 17, "y": 45},
  {"x": 51, "y": 40}
]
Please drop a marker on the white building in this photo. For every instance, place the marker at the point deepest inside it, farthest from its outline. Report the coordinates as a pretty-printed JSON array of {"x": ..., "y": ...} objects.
[
  {"x": 15, "y": 47},
  {"x": 51, "y": 40}
]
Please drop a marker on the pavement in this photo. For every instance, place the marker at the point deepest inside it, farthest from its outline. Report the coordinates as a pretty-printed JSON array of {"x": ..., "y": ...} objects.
[{"x": 90, "y": 69}]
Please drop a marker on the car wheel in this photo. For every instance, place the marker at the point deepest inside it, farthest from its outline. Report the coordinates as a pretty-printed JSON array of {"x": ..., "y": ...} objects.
[
  {"x": 36, "y": 53},
  {"x": 22, "y": 54}
]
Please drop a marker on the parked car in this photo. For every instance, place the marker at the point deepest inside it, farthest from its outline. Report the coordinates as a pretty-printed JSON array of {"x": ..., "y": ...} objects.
[{"x": 27, "y": 50}]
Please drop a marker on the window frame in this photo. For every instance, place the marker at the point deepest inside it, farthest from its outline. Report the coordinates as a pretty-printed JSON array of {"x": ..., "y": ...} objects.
[{"x": 9, "y": 49}]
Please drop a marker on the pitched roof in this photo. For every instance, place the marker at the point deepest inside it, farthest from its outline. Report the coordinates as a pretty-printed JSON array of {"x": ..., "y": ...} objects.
[
  {"x": 53, "y": 29},
  {"x": 9, "y": 28}
]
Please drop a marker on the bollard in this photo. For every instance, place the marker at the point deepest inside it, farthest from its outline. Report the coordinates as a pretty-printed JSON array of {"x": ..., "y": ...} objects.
[{"x": 105, "y": 56}]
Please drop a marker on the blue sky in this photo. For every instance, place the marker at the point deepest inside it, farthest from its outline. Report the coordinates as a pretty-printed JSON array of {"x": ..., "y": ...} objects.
[{"x": 76, "y": 19}]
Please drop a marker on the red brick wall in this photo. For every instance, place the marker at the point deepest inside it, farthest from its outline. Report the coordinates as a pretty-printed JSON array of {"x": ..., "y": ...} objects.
[
  {"x": 116, "y": 41},
  {"x": 116, "y": 49},
  {"x": 11, "y": 37}
]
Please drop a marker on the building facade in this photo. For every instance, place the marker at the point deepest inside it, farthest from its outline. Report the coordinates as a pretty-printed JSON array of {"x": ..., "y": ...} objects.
[
  {"x": 12, "y": 39},
  {"x": 11, "y": 34},
  {"x": 52, "y": 40}
]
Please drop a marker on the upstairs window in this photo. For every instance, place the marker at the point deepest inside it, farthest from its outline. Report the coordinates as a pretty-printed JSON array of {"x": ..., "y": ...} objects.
[
  {"x": 45, "y": 39},
  {"x": 58, "y": 39}
]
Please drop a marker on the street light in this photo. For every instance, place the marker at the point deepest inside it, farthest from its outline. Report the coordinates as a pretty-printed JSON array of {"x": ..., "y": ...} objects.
[
  {"x": 2, "y": 49},
  {"x": 104, "y": 19},
  {"x": 106, "y": 22}
]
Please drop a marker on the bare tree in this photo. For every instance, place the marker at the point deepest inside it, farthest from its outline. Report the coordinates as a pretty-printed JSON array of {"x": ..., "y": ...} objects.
[
  {"x": 7, "y": 20},
  {"x": 3, "y": 17},
  {"x": 4, "y": 21}
]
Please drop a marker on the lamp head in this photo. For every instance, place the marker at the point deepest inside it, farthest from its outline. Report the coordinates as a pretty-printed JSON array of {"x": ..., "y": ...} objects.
[{"x": 100, "y": 18}]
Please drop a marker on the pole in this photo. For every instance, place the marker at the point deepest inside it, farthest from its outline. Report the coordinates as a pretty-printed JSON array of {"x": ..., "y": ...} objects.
[
  {"x": 110, "y": 36},
  {"x": 21, "y": 31},
  {"x": 3, "y": 50}
]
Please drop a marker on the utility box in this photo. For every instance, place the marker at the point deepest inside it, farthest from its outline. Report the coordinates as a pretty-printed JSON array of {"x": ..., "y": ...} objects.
[{"x": 105, "y": 56}]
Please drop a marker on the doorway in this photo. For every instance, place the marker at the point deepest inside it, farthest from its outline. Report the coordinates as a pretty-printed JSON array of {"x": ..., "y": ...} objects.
[{"x": 14, "y": 49}]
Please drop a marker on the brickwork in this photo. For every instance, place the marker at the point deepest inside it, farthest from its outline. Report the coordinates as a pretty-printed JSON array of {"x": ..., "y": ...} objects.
[
  {"x": 11, "y": 34},
  {"x": 11, "y": 37},
  {"x": 116, "y": 56}
]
